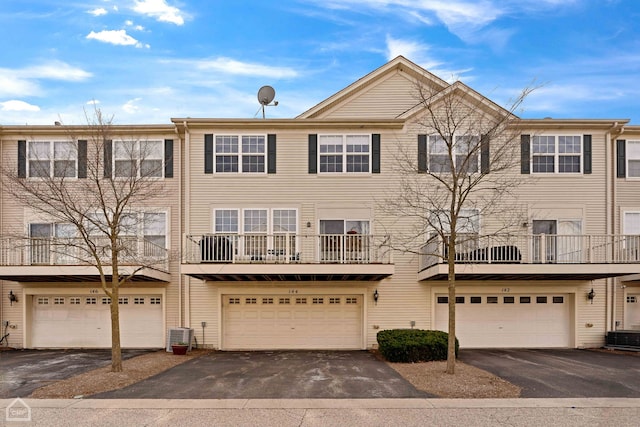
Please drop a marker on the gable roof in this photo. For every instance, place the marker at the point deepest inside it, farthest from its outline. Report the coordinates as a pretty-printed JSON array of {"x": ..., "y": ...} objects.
[
  {"x": 464, "y": 91},
  {"x": 399, "y": 64}
]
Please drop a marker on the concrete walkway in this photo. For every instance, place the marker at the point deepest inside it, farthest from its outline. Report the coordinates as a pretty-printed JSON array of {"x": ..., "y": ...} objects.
[{"x": 325, "y": 412}]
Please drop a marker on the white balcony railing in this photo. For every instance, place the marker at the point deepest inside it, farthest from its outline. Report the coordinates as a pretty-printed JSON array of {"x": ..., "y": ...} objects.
[
  {"x": 287, "y": 248},
  {"x": 535, "y": 249},
  {"x": 73, "y": 252}
]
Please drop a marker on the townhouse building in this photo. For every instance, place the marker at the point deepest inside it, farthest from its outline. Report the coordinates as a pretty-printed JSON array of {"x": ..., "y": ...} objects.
[{"x": 275, "y": 233}]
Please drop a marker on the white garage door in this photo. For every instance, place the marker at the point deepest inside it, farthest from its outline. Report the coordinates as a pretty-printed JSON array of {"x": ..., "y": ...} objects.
[
  {"x": 263, "y": 322},
  {"x": 68, "y": 321},
  {"x": 527, "y": 320}
]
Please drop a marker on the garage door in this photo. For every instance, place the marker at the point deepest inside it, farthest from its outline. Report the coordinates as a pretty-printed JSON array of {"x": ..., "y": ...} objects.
[
  {"x": 262, "y": 322},
  {"x": 527, "y": 320},
  {"x": 68, "y": 321}
]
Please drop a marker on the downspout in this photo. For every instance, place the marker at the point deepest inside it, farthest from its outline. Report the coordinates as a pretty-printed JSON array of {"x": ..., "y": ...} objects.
[
  {"x": 179, "y": 163},
  {"x": 611, "y": 287},
  {"x": 612, "y": 213},
  {"x": 187, "y": 204}
]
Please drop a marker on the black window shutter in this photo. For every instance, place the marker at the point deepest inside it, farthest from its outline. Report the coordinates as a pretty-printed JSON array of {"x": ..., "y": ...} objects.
[
  {"x": 168, "y": 158},
  {"x": 271, "y": 153},
  {"x": 313, "y": 153},
  {"x": 107, "y": 158},
  {"x": 375, "y": 153},
  {"x": 525, "y": 154},
  {"x": 621, "y": 158},
  {"x": 22, "y": 159},
  {"x": 586, "y": 149},
  {"x": 485, "y": 159},
  {"x": 82, "y": 158},
  {"x": 208, "y": 153},
  {"x": 422, "y": 153}
]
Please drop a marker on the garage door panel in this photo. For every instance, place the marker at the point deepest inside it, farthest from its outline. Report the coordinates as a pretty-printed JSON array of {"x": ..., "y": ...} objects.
[
  {"x": 509, "y": 322},
  {"x": 85, "y": 322},
  {"x": 301, "y": 322}
]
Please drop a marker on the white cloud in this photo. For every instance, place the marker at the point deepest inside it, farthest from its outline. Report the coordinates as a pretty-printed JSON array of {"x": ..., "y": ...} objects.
[
  {"x": 419, "y": 53},
  {"x": 93, "y": 102},
  {"x": 55, "y": 70},
  {"x": 98, "y": 11},
  {"x": 15, "y": 105},
  {"x": 130, "y": 23},
  {"x": 160, "y": 10},
  {"x": 117, "y": 37},
  {"x": 25, "y": 81},
  {"x": 130, "y": 106},
  {"x": 231, "y": 66}
]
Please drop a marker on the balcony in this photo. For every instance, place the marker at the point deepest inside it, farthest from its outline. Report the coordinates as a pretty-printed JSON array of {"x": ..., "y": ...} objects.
[
  {"x": 287, "y": 257},
  {"x": 533, "y": 257},
  {"x": 67, "y": 260}
]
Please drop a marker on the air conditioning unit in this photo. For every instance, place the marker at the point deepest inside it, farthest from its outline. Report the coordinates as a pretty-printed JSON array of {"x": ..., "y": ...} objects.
[{"x": 176, "y": 335}]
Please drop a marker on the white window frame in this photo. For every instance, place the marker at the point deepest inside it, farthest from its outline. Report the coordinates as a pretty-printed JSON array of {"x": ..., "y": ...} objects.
[
  {"x": 625, "y": 225},
  {"x": 240, "y": 154},
  {"x": 469, "y": 221},
  {"x": 138, "y": 223},
  {"x": 632, "y": 155},
  {"x": 329, "y": 148},
  {"x": 241, "y": 223},
  {"x": 442, "y": 151},
  {"x": 557, "y": 155},
  {"x": 138, "y": 157},
  {"x": 51, "y": 158}
]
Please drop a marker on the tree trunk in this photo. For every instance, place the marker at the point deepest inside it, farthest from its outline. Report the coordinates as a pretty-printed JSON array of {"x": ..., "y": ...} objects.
[
  {"x": 451, "y": 347},
  {"x": 116, "y": 351}
]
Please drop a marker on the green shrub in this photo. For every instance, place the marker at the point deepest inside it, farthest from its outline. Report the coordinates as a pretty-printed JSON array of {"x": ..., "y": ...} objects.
[{"x": 413, "y": 345}]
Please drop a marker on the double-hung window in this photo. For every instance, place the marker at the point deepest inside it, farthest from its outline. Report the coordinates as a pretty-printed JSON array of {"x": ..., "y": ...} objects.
[
  {"x": 263, "y": 234},
  {"x": 633, "y": 159},
  {"x": 556, "y": 154},
  {"x": 56, "y": 159},
  {"x": 240, "y": 153},
  {"x": 464, "y": 154},
  {"x": 138, "y": 159},
  {"x": 344, "y": 153}
]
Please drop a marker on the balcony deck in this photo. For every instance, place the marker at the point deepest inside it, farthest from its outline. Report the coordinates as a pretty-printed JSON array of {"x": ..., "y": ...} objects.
[
  {"x": 65, "y": 260},
  {"x": 533, "y": 257},
  {"x": 287, "y": 257}
]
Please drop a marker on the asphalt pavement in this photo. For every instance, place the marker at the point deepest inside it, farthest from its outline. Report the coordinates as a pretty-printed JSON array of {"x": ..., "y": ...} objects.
[
  {"x": 274, "y": 375},
  {"x": 548, "y": 373}
]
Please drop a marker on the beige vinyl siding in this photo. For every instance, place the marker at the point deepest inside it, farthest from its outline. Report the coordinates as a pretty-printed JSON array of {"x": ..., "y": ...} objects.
[
  {"x": 387, "y": 98},
  {"x": 14, "y": 221}
]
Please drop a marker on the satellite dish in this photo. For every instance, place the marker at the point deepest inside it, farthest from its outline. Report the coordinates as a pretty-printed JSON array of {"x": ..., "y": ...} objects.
[{"x": 266, "y": 94}]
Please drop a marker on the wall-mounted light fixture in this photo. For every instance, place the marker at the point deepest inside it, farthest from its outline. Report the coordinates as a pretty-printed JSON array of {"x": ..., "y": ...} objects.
[
  {"x": 375, "y": 296},
  {"x": 12, "y": 298},
  {"x": 591, "y": 295},
  {"x": 308, "y": 224}
]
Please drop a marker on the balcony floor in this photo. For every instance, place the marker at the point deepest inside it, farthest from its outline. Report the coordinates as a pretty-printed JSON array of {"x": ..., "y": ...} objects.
[
  {"x": 298, "y": 272},
  {"x": 529, "y": 271},
  {"x": 75, "y": 273}
]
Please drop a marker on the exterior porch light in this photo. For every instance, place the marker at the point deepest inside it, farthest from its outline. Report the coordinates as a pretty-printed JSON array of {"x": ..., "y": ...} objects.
[
  {"x": 591, "y": 295},
  {"x": 12, "y": 298},
  {"x": 375, "y": 296}
]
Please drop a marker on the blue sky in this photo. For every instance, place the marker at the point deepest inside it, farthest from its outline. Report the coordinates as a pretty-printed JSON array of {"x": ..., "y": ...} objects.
[{"x": 145, "y": 61}]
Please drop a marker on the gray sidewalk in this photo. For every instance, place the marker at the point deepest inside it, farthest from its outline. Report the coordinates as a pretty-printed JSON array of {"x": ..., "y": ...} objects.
[{"x": 328, "y": 412}]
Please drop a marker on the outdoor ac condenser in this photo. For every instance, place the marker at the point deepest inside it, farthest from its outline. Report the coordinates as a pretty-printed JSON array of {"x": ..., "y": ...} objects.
[{"x": 176, "y": 335}]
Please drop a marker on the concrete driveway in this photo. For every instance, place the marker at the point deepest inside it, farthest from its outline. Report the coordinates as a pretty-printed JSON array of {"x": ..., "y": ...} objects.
[
  {"x": 562, "y": 373},
  {"x": 23, "y": 371},
  {"x": 274, "y": 375}
]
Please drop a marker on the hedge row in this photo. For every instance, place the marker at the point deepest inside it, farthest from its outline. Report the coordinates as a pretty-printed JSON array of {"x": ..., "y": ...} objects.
[{"x": 413, "y": 345}]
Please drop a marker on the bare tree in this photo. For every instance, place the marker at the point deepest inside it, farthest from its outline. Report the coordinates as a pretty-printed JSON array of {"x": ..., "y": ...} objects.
[
  {"x": 465, "y": 166},
  {"x": 93, "y": 188}
]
